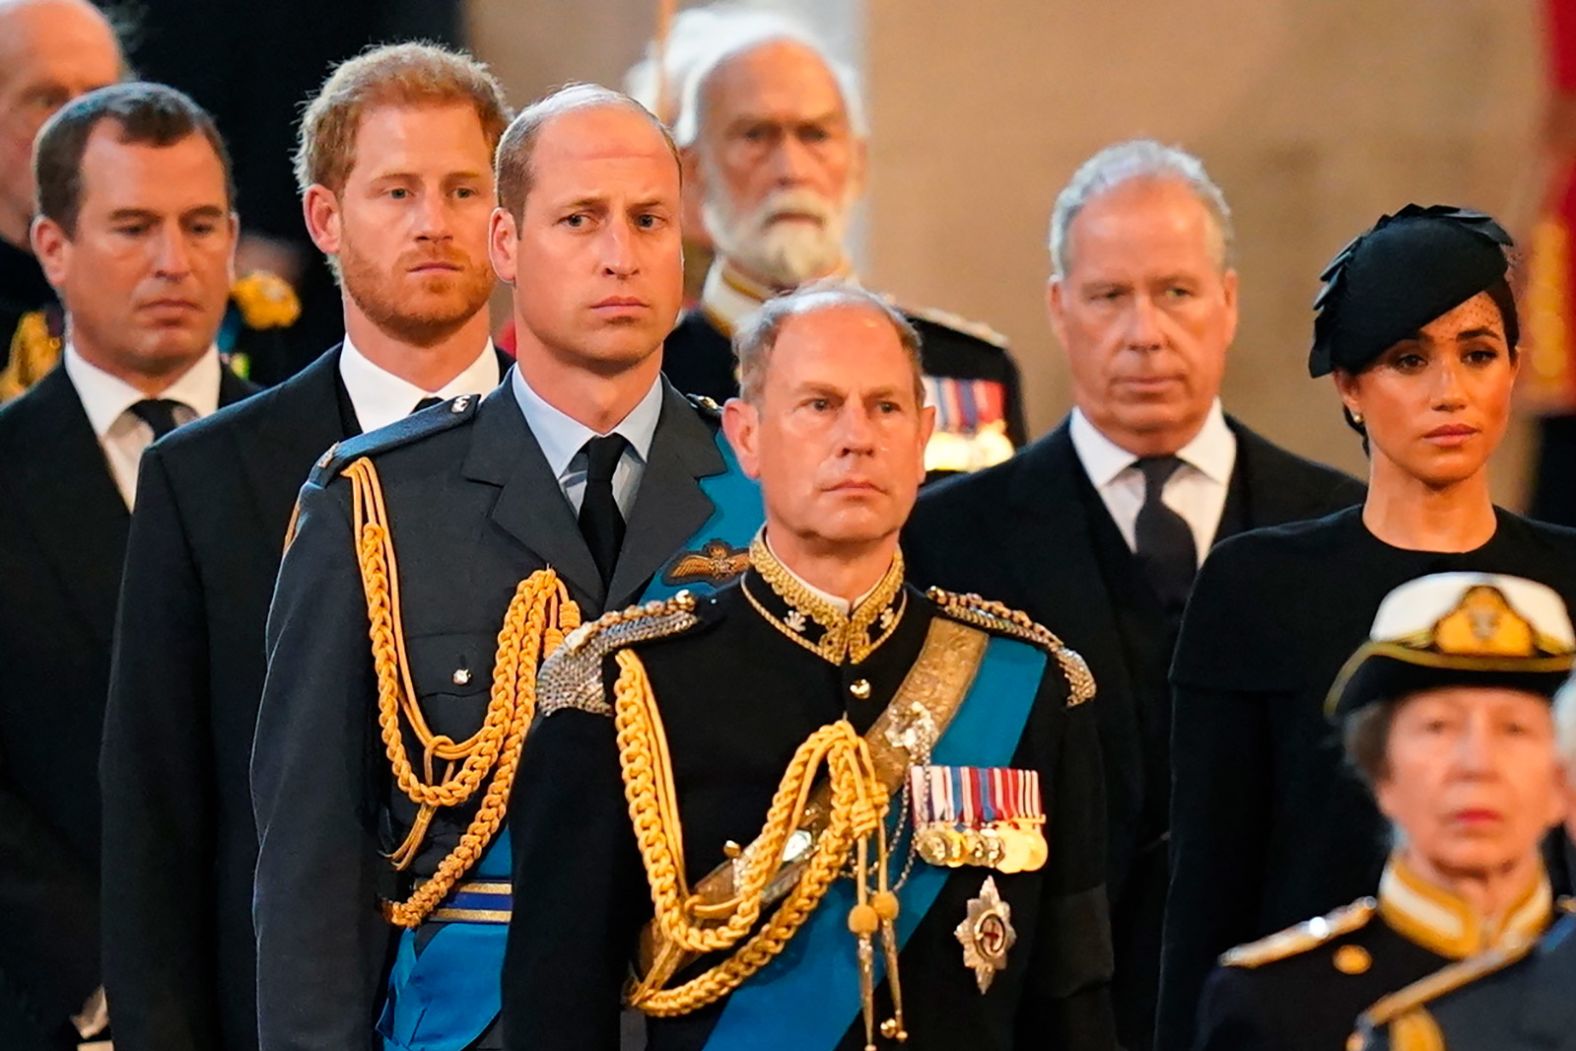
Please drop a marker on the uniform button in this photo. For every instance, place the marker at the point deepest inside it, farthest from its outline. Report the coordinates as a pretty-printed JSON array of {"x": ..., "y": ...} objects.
[
  {"x": 1353, "y": 959},
  {"x": 461, "y": 676},
  {"x": 860, "y": 688}
]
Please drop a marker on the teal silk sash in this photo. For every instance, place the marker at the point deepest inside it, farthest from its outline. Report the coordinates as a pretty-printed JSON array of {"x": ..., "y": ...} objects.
[
  {"x": 807, "y": 997},
  {"x": 445, "y": 996},
  {"x": 737, "y": 513}
]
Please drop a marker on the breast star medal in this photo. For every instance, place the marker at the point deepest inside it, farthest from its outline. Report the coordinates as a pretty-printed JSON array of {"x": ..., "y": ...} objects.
[{"x": 986, "y": 934}]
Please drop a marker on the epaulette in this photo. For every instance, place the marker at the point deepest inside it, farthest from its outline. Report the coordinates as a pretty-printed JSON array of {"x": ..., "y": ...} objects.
[
  {"x": 1395, "y": 1007},
  {"x": 402, "y": 431},
  {"x": 1304, "y": 936},
  {"x": 1003, "y": 620},
  {"x": 956, "y": 323},
  {"x": 707, "y": 407},
  {"x": 572, "y": 676}
]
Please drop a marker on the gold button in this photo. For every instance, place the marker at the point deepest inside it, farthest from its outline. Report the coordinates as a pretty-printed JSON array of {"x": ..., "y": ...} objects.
[
  {"x": 1353, "y": 959},
  {"x": 461, "y": 676},
  {"x": 860, "y": 688}
]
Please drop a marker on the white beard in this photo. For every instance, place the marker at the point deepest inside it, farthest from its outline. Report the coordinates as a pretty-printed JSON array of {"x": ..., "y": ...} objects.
[{"x": 784, "y": 253}]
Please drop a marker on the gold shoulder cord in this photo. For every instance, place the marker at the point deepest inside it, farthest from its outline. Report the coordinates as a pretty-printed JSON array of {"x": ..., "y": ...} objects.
[
  {"x": 534, "y": 625},
  {"x": 858, "y": 807},
  {"x": 995, "y": 616}
]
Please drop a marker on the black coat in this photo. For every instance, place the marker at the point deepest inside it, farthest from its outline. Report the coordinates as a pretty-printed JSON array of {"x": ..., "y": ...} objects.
[
  {"x": 213, "y": 503},
  {"x": 475, "y": 510},
  {"x": 1035, "y": 533},
  {"x": 63, "y": 526},
  {"x": 737, "y": 698},
  {"x": 1269, "y": 824}
]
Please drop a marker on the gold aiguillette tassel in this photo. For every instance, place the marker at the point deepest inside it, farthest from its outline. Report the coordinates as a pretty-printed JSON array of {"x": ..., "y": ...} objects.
[
  {"x": 886, "y": 906},
  {"x": 863, "y": 920}
]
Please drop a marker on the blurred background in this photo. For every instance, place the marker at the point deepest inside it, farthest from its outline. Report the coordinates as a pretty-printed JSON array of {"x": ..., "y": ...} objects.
[{"x": 1315, "y": 116}]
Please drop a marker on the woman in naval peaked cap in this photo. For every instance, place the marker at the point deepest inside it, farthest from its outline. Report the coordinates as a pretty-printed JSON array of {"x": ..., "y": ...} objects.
[
  {"x": 1418, "y": 326},
  {"x": 1446, "y": 719}
]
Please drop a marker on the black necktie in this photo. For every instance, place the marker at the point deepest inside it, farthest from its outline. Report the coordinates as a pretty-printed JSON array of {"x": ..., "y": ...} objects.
[
  {"x": 426, "y": 403},
  {"x": 600, "y": 522},
  {"x": 1165, "y": 541},
  {"x": 157, "y": 413}
]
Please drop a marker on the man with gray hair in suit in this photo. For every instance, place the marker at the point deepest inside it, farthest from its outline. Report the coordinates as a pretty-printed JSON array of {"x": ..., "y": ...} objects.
[{"x": 1100, "y": 526}]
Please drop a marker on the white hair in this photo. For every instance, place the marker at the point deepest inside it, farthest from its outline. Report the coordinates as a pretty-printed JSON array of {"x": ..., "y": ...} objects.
[
  {"x": 1125, "y": 162},
  {"x": 1565, "y": 727},
  {"x": 737, "y": 35}
]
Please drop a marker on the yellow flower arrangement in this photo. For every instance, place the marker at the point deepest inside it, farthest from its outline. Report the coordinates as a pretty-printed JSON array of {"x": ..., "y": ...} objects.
[{"x": 266, "y": 300}]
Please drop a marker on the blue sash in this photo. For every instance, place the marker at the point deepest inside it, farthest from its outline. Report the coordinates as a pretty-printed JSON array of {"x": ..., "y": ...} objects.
[
  {"x": 446, "y": 996},
  {"x": 807, "y": 997},
  {"x": 736, "y": 515}
]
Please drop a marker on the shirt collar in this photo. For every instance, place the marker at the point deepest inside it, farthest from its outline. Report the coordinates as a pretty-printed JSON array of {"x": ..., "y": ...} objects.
[
  {"x": 1446, "y": 924},
  {"x": 1213, "y": 450},
  {"x": 561, "y": 436},
  {"x": 380, "y": 397},
  {"x": 728, "y": 297},
  {"x": 105, "y": 398}
]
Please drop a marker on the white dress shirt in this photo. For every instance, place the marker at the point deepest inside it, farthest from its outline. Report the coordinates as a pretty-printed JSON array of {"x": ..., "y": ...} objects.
[
  {"x": 380, "y": 397},
  {"x": 1197, "y": 491},
  {"x": 562, "y": 439},
  {"x": 122, "y": 434}
]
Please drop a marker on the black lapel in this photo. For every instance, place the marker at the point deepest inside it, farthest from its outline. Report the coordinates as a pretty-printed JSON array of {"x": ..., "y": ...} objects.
[
  {"x": 1053, "y": 501},
  {"x": 70, "y": 497},
  {"x": 530, "y": 506},
  {"x": 669, "y": 505},
  {"x": 296, "y": 423}
]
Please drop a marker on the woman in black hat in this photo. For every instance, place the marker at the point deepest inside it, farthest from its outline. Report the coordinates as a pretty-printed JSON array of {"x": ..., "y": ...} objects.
[
  {"x": 1417, "y": 324},
  {"x": 1446, "y": 718}
]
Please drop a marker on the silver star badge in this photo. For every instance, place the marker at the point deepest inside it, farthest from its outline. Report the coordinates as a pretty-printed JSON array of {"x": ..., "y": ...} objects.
[{"x": 986, "y": 934}]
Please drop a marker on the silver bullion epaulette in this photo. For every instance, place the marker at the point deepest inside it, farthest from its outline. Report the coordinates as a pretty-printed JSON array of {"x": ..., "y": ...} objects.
[
  {"x": 572, "y": 676},
  {"x": 1004, "y": 620},
  {"x": 1304, "y": 936}
]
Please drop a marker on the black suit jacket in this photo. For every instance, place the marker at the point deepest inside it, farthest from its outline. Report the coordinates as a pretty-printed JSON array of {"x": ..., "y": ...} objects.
[
  {"x": 63, "y": 528},
  {"x": 475, "y": 509},
  {"x": 1027, "y": 533},
  {"x": 213, "y": 502}
]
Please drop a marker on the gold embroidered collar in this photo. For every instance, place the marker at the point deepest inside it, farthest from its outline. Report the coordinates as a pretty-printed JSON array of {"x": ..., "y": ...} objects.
[
  {"x": 1445, "y": 924},
  {"x": 789, "y": 605}
]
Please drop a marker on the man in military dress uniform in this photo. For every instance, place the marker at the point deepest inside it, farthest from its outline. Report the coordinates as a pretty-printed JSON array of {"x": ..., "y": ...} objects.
[
  {"x": 51, "y": 51},
  {"x": 774, "y": 143},
  {"x": 136, "y": 231},
  {"x": 381, "y": 772},
  {"x": 971, "y": 915},
  {"x": 212, "y": 511}
]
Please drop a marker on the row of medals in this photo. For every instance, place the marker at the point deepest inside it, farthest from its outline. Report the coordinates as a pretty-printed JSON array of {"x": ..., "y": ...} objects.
[{"x": 1006, "y": 844}]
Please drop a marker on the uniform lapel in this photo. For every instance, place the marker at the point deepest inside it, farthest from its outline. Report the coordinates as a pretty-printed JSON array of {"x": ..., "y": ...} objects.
[
  {"x": 72, "y": 503},
  {"x": 530, "y": 507},
  {"x": 669, "y": 506}
]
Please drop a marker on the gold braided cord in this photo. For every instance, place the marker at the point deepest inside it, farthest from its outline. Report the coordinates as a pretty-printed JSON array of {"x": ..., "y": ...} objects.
[
  {"x": 858, "y": 806},
  {"x": 538, "y": 616}
]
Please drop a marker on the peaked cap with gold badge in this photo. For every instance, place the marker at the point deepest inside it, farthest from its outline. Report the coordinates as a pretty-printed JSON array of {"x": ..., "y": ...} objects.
[{"x": 1459, "y": 629}]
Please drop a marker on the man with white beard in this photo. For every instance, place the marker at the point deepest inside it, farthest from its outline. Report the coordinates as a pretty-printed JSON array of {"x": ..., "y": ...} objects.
[{"x": 774, "y": 150}]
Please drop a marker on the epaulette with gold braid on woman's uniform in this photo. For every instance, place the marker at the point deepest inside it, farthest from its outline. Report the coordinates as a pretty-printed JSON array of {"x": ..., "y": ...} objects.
[
  {"x": 1004, "y": 620},
  {"x": 572, "y": 676}
]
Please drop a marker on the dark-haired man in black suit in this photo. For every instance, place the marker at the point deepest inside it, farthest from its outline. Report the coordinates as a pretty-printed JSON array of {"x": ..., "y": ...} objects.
[
  {"x": 135, "y": 232},
  {"x": 212, "y": 513},
  {"x": 1097, "y": 529}
]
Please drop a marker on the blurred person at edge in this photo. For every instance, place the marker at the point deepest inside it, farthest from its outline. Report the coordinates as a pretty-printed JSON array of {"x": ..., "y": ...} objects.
[
  {"x": 1417, "y": 323},
  {"x": 1445, "y": 718},
  {"x": 1100, "y": 526},
  {"x": 51, "y": 51},
  {"x": 1513, "y": 999},
  {"x": 774, "y": 143},
  {"x": 136, "y": 233},
  {"x": 395, "y": 172}
]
